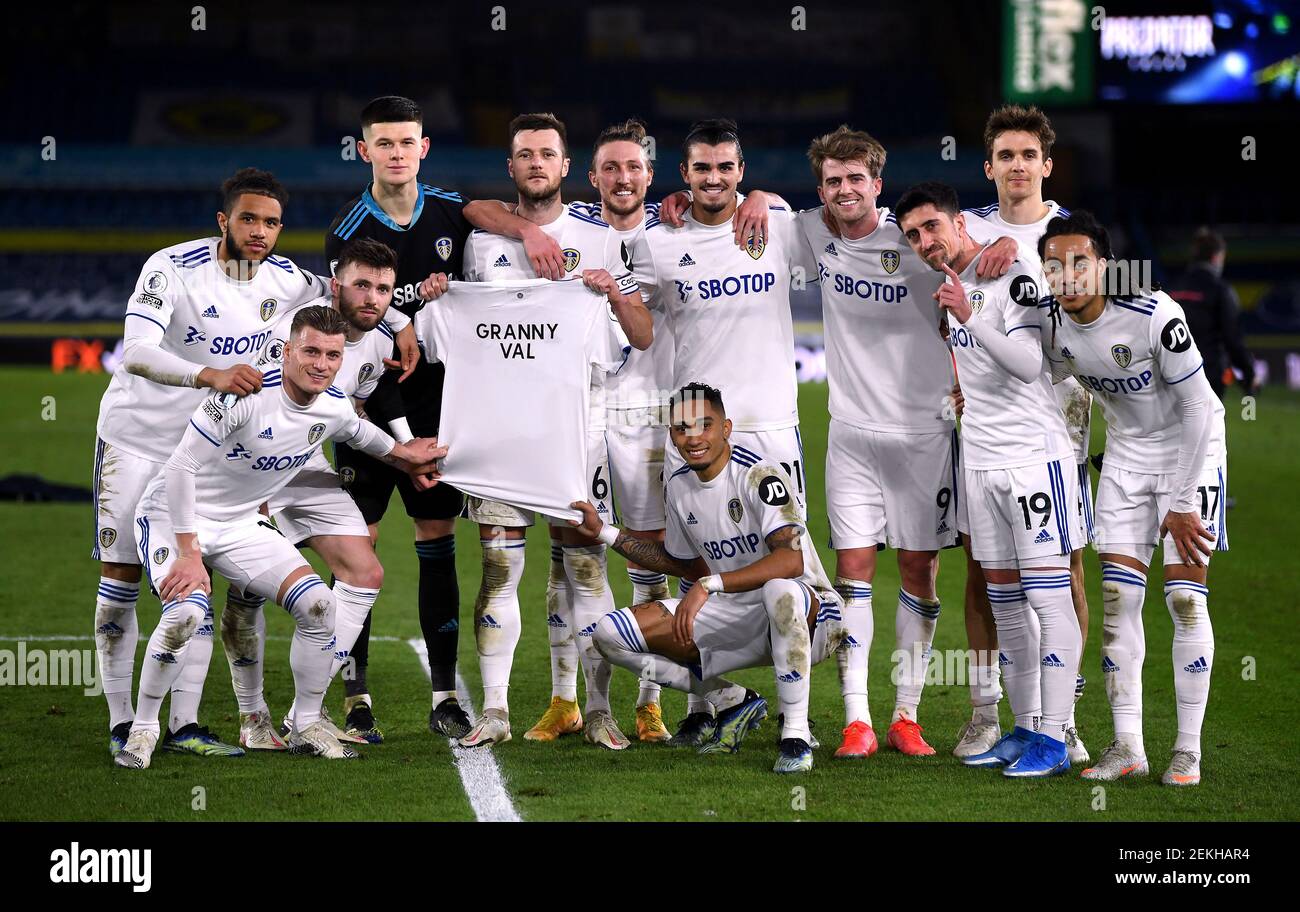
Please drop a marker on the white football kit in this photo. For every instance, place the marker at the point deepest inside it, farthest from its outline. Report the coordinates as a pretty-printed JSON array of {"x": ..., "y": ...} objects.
[
  {"x": 1020, "y": 501},
  {"x": 516, "y": 402},
  {"x": 729, "y": 308},
  {"x": 1131, "y": 358},
  {"x": 588, "y": 243},
  {"x": 240, "y": 453},
  {"x": 636, "y": 403},
  {"x": 187, "y": 307},
  {"x": 726, "y": 522},
  {"x": 892, "y": 447},
  {"x": 986, "y": 225},
  {"x": 315, "y": 502}
]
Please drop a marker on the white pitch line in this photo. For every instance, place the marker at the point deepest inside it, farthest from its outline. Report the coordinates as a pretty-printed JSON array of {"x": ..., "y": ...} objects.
[{"x": 478, "y": 769}]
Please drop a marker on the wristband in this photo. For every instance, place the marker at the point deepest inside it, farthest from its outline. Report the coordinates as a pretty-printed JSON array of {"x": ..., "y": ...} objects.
[
  {"x": 712, "y": 583},
  {"x": 608, "y": 534}
]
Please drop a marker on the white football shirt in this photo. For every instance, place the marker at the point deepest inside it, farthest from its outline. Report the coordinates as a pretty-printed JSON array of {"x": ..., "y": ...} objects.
[
  {"x": 727, "y": 520},
  {"x": 1130, "y": 357},
  {"x": 249, "y": 448},
  {"x": 729, "y": 307},
  {"x": 363, "y": 360},
  {"x": 515, "y": 404},
  {"x": 638, "y": 394},
  {"x": 886, "y": 362},
  {"x": 186, "y": 305},
  {"x": 1006, "y": 423},
  {"x": 587, "y": 242}
]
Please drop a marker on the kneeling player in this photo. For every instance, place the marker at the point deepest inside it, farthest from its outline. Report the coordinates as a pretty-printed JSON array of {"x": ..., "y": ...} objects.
[
  {"x": 1164, "y": 479},
  {"x": 762, "y": 596},
  {"x": 198, "y": 501}
]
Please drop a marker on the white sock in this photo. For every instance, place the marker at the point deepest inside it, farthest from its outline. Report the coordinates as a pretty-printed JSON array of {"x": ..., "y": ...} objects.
[
  {"x": 784, "y": 601},
  {"x": 855, "y": 652},
  {"x": 1017, "y": 655},
  {"x": 243, "y": 633},
  {"x": 592, "y": 600},
  {"x": 1193, "y": 657},
  {"x": 1123, "y": 649},
  {"x": 311, "y": 654},
  {"x": 695, "y": 703},
  {"x": 352, "y": 605},
  {"x": 165, "y": 656},
  {"x": 187, "y": 691},
  {"x": 496, "y": 617},
  {"x": 1048, "y": 592},
  {"x": 618, "y": 637},
  {"x": 117, "y": 633},
  {"x": 561, "y": 630},
  {"x": 914, "y": 624},
  {"x": 647, "y": 586}
]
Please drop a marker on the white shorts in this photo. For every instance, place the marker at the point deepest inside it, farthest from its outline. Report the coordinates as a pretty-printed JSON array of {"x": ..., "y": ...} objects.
[
  {"x": 1131, "y": 506},
  {"x": 249, "y": 552},
  {"x": 896, "y": 489},
  {"x": 314, "y": 503},
  {"x": 1018, "y": 517},
  {"x": 599, "y": 493},
  {"x": 119, "y": 480},
  {"x": 731, "y": 631},
  {"x": 636, "y": 462},
  {"x": 784, "y": 446}
]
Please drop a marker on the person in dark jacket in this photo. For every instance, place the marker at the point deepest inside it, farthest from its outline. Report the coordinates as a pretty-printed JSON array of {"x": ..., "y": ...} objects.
[{"x": 1211, "y": 307}]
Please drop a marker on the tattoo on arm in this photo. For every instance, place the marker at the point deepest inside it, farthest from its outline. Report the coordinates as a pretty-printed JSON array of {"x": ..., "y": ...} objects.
[
  {"x": 652, "y": 556},
  {"x": 789, "y": 537}
]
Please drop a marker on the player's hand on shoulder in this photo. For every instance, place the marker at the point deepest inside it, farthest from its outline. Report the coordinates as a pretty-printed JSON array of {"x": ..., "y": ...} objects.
[
  {"x": 673, "y": 207},
  {"x": 751, "y": 218},
  {"x": 590, "y": 524},
  {"x": 240, "y": 379},
  {"x": 997, "y": 258},
  {"x": 1190, "y": 537},
  {"x": 544, "y": 253}
]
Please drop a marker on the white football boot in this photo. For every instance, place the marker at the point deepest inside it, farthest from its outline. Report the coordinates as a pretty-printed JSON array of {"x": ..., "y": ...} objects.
[
  {"x": 257, "y": 733},
  {"x": 1184, "y": 769},
  {"x": 1118, "y": 761},
  {"x": 600, "y": 728},
  {"x": 493, "y": 727},
  {"x": 1074, "y": 747},
  {"x": 977, "y": 738},
  {"x": 138, "y": 750},
  {"x": 316, "y": 740}
]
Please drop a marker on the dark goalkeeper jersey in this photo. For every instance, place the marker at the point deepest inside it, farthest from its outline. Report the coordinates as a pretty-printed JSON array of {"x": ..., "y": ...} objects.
[{"x": 434, "y": 241}]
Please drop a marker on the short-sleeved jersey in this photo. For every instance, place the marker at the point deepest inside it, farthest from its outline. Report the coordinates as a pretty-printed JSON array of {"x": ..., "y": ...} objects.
[
  {"x": 433, "y": 241},
  {"x": 727, "y": 520},
  {"x": 1006, "y": 423},
  {"x": 259, "y": 443},
  {"x": 519, "y": 357},
  {"x": 729, "y": 307},
  {"x": 188, "y": 306},
  {"x": 886, "y": 363},
  {"x": 363, "y": 360},
  {"x": 587, "y": 242},
  {"x": 645, "y": 382},
  {"x": 1131, "y": 357},
  {"x": 986, "y": 225}
]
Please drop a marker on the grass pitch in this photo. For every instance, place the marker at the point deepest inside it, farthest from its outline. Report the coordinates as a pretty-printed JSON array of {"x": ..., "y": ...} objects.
[{"x": 56, "y": 764}]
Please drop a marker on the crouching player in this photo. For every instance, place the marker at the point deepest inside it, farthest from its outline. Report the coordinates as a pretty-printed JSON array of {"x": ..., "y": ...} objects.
[
  {"x": 203, "y": 510},
  {"x": 762, "y": 597},
  {"x": 1164, "y": 480}
]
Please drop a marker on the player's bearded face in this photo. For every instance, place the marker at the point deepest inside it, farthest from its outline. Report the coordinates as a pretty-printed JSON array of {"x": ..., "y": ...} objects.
[
  {"x": 699, "y": 434},
  {"x": 538, "y": 164},
  {"x": 1074, "y": 271},
  {"x": 713, "y": 173},
  {"x": 364, "y": 294},
  {"x": 933, "y": 235},
  {"x": 313, "y": 359},
  {"x": 252, "y": 228},
  {"x": 622, "y": 174}
]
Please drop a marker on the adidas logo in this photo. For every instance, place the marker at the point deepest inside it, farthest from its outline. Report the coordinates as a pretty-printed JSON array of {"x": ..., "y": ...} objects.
[
  {"x": 1066, "y": 352},
  {"x": 1200, "y": 666},
  {"x": 690, "y": 519},
  {"x": 790, "y": 678},
  {"x": 1003, "y": 660},
  {"x": 1108, "y": 666},
  {"x": 266, "y": 435},
  {"x": 243, "y": 662},
  {"x": 1043, "y": 536},
  {"x": 587, "y": 631},
  {"x": 489, "y": 621},
  {"x": 830, "y": 248},
  {"x": 943, "y": 527},
  {"x": 448, "y": 627},
  {"x": 211, "y": 312},
  {"x": 686, "y": 260},
  {"x": 554, "y": 620},
  {"x": 204, "y": 631},
  {"x": 165, "y": 657},
  {"x": 851, "y": 643},
  {"x": 1051, "y": 661},
  {"x": 502, "y": 261},
  {"x": 341, "y": 655}
]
